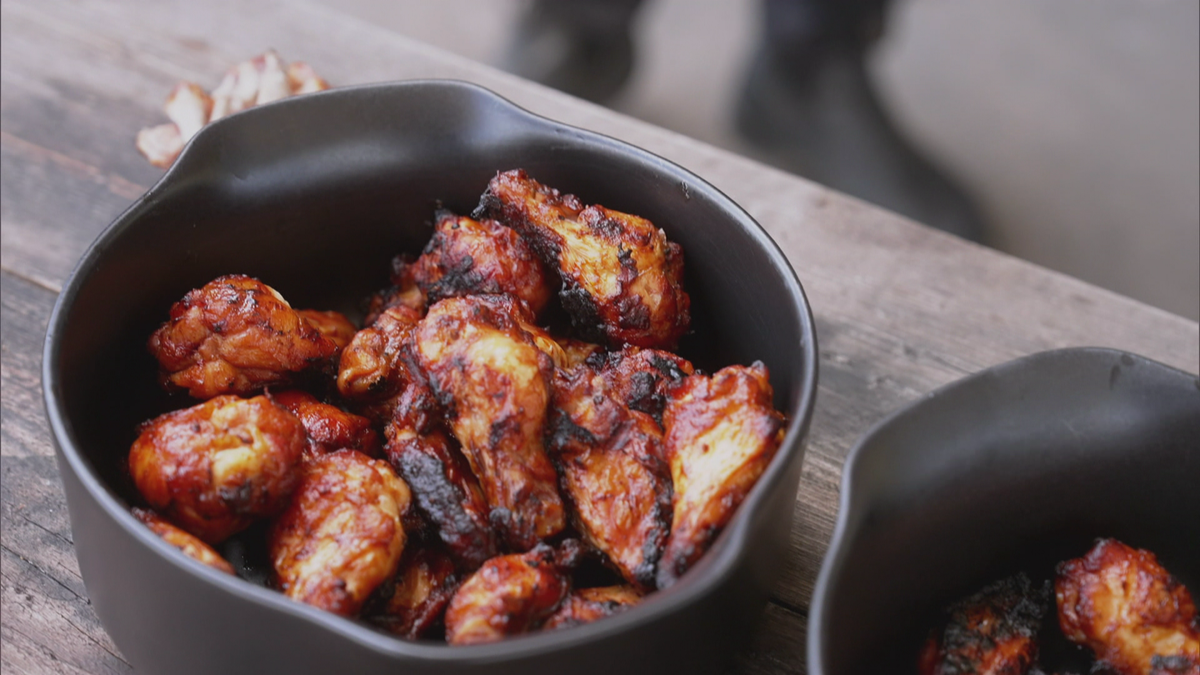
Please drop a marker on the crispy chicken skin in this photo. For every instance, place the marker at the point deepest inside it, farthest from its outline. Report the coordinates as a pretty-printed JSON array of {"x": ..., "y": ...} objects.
[
  {"x": 721, "y": 433},
  {"x": 214, "y": 468},
  {"x": 610, "y": 466},
  {"x": 413, "y": 601},
  {"x": 333, "y": 325},
  {"x": 189, "y": 544},
  {"x": 643, "y": 378},
  {"x": 341, "y": 535},
  {"x": 993, "y": 632},
  {"x": 495, "y": 385},
  {"x": 1121, "y": 603},
  {"x": 328, "y": 427},
  {"x": 585, "y": 605},
  {"x": 622, "y": 279},
  {"x": 236, "y": 335},
  {"x": 509, "y": 595},
  {"x": 479, "y": 257}
]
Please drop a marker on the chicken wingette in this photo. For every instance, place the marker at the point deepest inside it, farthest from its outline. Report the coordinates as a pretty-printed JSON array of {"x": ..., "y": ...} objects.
[
  {"x": 413, "y": 601},
  {"x": 586, "y": 605},
  {"x": 509, "y": 595},
  {"x": 328, "y": 427}
]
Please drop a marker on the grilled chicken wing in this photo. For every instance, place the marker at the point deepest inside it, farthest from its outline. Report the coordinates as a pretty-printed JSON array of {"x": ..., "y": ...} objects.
[
  {"x": 236, "y": 335},
  {"x": 189, "y": 544},
  {"x": 509, "y": 595},
  {"x": 993, "y": 632},
  {"x": 495, "y": 385},
  {"x": 414, "y": 600},
  {"x": 611, "y": 470},
  {"x": 217, "y": 466},
  {"x": 478, "y": 257},
  {"x": 721, "y": 434},
  {"x": 1123, "y": 605},
  {"x": 341, "y": 535},
  {"x": 328, "y": 427},
  {"x": 404, "y": 291},
  {"x": 379, "y": 369},
  {"x": 585, "y": 605},
  {"x": 643, "y": 378},
  {"x": 332, "y": 325},
  {"x": 622, "y": 279}
]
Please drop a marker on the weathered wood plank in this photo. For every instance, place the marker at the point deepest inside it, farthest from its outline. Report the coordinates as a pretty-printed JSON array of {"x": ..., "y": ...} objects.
[{"x": 24, "y": 311}]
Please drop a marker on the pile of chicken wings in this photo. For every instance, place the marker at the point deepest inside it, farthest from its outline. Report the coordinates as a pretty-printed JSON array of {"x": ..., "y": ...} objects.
[{"x": 450, "y": 467}]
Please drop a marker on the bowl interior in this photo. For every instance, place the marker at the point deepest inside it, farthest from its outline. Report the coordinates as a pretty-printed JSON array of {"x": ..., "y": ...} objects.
[{"x": 1013, "y": 469}]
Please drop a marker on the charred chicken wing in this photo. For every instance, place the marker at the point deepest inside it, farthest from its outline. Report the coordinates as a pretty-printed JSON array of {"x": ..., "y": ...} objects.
[
  {"x": 495, "y": 385},
  {"x": 993, "y": 632},
  {"x": 404, "y": 291},
  {"x": 643, "y": 378},
  {"x": 190, "y": 545},
  {"x": 236, "y": 335},
  {"x": 622, "y": 279},
  {"x": 328, "y": 427},
  {"x": 478, "y": 257},
  {"x": 721, "y": 434},
  {"x": 379, "y": 369},
  {"x": 341, "y": 536},
  {"x": 509, "y": 595},
  {"x": 611, "y": 470},
  {"x": 414, "y": 600},
  {"x": 215, "y": 467},
  {"x": 585, "y": 605},
  {"x": 1123, "y": 605}
]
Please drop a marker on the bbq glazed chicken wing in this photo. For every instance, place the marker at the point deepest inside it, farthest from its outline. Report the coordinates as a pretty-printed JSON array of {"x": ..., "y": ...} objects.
[
  {"x": 586, "y": 605},
  {"x": 189, "y": 544},
  {"x": 379, "y": 370},
  {"x": 495, "y": 385},
  {"x": 643, "y": 378},
  {"x": 236, "y": 335},
  {"x": 721, "y": 434},
  {"x": 328, "y": 427},
  {"x": 214, "y": 468},
  {"x": 622, "y": 279},
  {"x": 509, "y": 595},
  {"x": 993, "y": 632},
  {"x": 1129, "y": 610},
  {"x": 413, "y": 601},
  {"x": 341, "y": 535},
  {"x": 611, "y": 470},
  {"x": 332, "y": 325},
  {"x": 479, "y": 257}
]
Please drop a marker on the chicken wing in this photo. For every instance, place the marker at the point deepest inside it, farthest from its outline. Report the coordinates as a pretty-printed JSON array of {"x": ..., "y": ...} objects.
[
  {"x": 414, "y": 600},
  {"x": 341, "y": 535},
  {"x": 404, "y": 291},
  {"x": 586, "y": 605},
  {"x": 328, "y": 427},
  {"x": 332, "y": 325},
  {"x": 509, "y": 595},
  {"x": 477, "y": 257},
  {"x": 610, "y": 466},
  {"x": 216, "y": 467},
  {"x": 643, "y": 378},
  {"x": 189, "y": 544},
  {"x": 993, "y": 632},
  {"x": 236, "y": 335},
  {"x": 1123, "y": 605},
  {"x": 379, "y": 369},
  {"x": 622, "y": 279},
  {"x": 721, "y": 434},
  {"x": 495, "y": 385}
]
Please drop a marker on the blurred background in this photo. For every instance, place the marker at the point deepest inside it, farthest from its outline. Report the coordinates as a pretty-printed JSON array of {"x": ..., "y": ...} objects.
[{"x": 1072, "y": 126}]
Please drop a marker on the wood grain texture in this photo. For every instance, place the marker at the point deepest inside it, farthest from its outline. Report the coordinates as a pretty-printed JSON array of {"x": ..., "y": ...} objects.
[{"x": 900, "y": 309}]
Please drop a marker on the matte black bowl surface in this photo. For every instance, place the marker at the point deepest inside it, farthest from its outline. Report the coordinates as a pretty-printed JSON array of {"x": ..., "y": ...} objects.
[
  {"x": 314, "y": 195},
  {"x": 1012, "y": 469}
]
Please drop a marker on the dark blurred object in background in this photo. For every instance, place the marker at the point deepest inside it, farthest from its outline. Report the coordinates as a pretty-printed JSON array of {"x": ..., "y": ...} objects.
[{"x": 807, "y": 101}]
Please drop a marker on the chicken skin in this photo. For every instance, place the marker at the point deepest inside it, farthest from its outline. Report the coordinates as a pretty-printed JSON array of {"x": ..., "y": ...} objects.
[
  {"x": 586, "y": 605},
  {"x": 413, "y": 602},
  {"x": 1121, "y": 603},
  {"x": 622, "y": 279},
  {"x": 190, "y": 545},
  {"x": 611, "y": 470},
  {"x": 721, "y": 433},
  {"x": 341, "y": 535},
  {"x": 237, "y": 335},
  {"x": 495, "y": 386},
  {"x": 328, "y": 427},
  {"x": 480, "y": 257},
  {"x": 379, "y": 370},
  {"x": 643, "y": 378},
  {"x": 332, "y": 325},
  {"x": 509, "y": 595},
  {"x": 993, "y": 632},
  {"x": 214, "y": 468}
]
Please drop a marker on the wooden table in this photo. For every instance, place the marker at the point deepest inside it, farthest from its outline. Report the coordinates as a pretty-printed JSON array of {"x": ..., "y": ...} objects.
[{"x": 900, "y": 309}]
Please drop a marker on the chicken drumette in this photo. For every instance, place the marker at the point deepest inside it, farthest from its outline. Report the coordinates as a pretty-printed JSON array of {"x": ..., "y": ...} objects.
[
  {"x": 1129, "y": 610},
  {"x": 622, "y": 279},
  {"x": 188, "y": 543},
  {"x": 509, "y": 595},
  {"x": 328, "y": 427}
]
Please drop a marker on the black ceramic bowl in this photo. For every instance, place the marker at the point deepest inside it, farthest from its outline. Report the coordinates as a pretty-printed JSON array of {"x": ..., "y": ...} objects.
[
  {"x": 1010, "y": 470},
  {"x": 314, "y": 195}
]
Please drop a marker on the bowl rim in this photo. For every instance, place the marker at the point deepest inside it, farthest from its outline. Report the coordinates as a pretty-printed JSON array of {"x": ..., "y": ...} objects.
[
  {"x": 835, "y": 554},
  {"x": 719, "y": 562}
]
